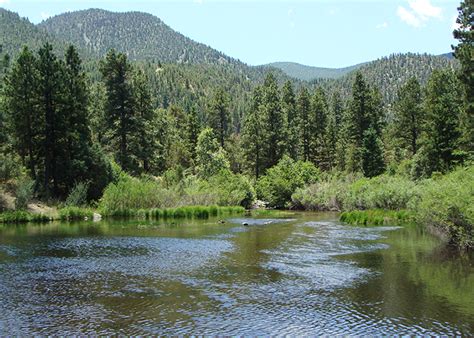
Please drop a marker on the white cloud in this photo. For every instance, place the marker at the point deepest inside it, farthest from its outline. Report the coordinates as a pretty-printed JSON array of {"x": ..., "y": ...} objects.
[
  {"x": 199, "y": 2},
  {"x": 45, "y": 15},
  {"x": 4, "y": 2},
  {"x": 382, "y": 25},
  {"x": 420, "y": 12}
]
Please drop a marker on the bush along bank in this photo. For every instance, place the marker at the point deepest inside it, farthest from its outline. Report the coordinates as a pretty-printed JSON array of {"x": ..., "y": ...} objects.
[{"x": 443, "y": 203}]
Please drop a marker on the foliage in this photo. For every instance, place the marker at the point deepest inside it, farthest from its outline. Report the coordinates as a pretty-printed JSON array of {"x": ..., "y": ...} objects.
[
  {"x": 210, "y": 157},
  {"x": 447, "y": 203},
  {"x": 21, "y": 216},
  {"x": 376, "y": 217},
  {"x": 280, "y": 181},
  {"x": 72, "y": 213},
  {"x": 78, "y": 195},
  {"x": 24, "y": 193}
]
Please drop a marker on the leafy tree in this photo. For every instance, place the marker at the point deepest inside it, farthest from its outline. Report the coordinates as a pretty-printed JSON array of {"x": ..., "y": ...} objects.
[
  {"x": 120, "y": 118},
  {"x": 22, "y": 108},
  {"x": 464, "y": 52},
  {"x": 282, "y": 180},
  {"x": 210, "y": 157},
  {"x": 219, "y": 116},
  {"x": 253, "y": 133},
  {"x": 303, "y": 108}
]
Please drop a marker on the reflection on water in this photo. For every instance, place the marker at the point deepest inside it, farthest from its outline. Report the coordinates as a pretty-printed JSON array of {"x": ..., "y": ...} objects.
[{"x": 299, "y": 276}]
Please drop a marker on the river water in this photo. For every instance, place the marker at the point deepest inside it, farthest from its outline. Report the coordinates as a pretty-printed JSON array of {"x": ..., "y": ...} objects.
[{"x": 303, "y": 274}]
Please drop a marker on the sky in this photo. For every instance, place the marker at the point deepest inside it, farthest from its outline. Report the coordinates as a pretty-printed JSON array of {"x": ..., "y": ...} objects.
[{"x": 323, "y": 33}]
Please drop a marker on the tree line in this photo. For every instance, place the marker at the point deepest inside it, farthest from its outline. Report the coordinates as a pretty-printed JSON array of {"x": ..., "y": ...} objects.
[{"x": 66, "y": 129}]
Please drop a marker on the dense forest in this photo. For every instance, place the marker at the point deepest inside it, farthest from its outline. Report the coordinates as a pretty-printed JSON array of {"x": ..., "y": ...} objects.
[{"x": 87, "y": 115}]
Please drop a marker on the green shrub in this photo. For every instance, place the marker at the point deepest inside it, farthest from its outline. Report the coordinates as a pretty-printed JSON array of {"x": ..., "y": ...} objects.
[
  {"x": 78, "y": 195},
  {"x": 10, "y": 166},
  {"x": 21, "y": 216},
  {"x": 282, "y": 180},
  {"x": 447, "y": 203},
  {"x": 24, "y": 193}
]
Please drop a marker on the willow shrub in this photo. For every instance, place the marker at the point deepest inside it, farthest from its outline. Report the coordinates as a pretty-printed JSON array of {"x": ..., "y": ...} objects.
[{"x": 447, "y": 203}]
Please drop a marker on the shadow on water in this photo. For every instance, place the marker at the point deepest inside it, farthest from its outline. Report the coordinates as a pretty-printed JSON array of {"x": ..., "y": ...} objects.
[{"x": 299, "y": 275}]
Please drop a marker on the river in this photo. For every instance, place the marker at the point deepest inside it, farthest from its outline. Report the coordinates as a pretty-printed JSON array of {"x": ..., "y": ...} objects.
[{"x": 302, "y": 274}]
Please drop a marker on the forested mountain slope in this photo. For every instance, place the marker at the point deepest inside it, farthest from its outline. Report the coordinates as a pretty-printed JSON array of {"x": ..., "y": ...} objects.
[
  {"x": 308, "y": 73},
  {"x": 388, "y": 74},
  {"x": 141, "y": 36},
  {"x": 16, "y": 32}
]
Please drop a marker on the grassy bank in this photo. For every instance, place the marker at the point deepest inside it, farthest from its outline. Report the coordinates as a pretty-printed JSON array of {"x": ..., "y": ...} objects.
[{"x": 80, "y": 214}]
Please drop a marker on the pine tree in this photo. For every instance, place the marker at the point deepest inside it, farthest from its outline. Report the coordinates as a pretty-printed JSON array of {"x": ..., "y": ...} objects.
[
  {"x": 318, "y": 143},
  {"x": 372, "y": 156},
  {"x": 219, "y": 115},
  {"x": 441, "y": 135},
  {"x": 288, "y": 105},
  {"x": 303, "y": 107},
  {"x": 364, "y": 114},
  {"x": 274, "y": 122},
  {"x": 51, "y": 95},
  {"x": 252, "y": 134},
  {"x": 334, "y": 132},
  {"x": 464, "y": 52},
  {"x": 409, "y": 115},
  {"x": 120, "y": 118},
  {"x": 21, "y": 104},
  {"x": 143, "y": 138},
  {"x": 193, "y": 129}
]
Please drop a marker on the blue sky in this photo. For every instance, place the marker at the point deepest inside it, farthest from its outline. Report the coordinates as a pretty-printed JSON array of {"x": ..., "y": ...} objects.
[{"x": 325, "y": 33}]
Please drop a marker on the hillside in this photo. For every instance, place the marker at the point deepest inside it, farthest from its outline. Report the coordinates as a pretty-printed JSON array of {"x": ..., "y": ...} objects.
[
  {"x": 308, "y": 73},
  {"x": 142, "y": 36},
  {"x": 16, "y": 32},
  {"x": 389, "y": 73}
]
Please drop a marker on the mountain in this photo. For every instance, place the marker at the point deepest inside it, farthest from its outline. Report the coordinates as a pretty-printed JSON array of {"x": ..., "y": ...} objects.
[
  {"x": 389, "y": 73},
  {"x": 16, "y": 32},
  {"x": 141, "y": 36},
  {"x": 308, "y": 73}
]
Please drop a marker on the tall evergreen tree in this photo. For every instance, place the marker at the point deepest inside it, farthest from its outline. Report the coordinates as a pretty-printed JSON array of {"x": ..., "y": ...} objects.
[
  {"x": 51, "y": 97},
  {"x": 319, "y": 113},
  {"x": 464, "y": 52},
  {"x": 288, "y": 105},
  {"x": 252, "y": 134},
  {"x": 193, "y": 129},
  {"x": 372, "y": 154},
  {"x": 120, "y": 118},
  {"x": 219, "y": 115},
  {"x": 21, "y": 106},
  {"x": 303, "y": 107},
  {"x": 409, "y": 115},
  {"x": 441, "y": 135},
  {"x": 143, "y": 137},
  {"x": 274, "y": 122},
  {"x": 334, "y": 132}
]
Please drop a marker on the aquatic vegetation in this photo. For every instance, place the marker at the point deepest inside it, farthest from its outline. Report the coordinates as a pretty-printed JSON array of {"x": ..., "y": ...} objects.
[
  {"x": 75, "y": 213},
  {"x": 376, "y": 217}
]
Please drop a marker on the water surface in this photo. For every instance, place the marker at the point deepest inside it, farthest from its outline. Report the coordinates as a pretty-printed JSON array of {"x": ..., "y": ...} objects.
[{"x": 303, "y": 275}]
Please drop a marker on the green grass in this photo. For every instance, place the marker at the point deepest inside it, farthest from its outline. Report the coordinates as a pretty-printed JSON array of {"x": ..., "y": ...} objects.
[
  {"x": 376, "y": 217},
  {"x": 198, "y": 212},
  {"x": 23, "y": 217},
  {"x": 75, "y": 214}
]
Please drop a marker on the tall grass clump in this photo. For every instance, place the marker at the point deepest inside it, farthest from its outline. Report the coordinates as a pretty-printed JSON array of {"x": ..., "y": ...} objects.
[
  {"x": 24, "y": 193},
  {"x": 447, "y": 204},
  {"x": 75, "y": 213},
  {"x": 78, "y": 195},
  {"x": 21, "y": 216},
  {"x": 376, "y": 217}
]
